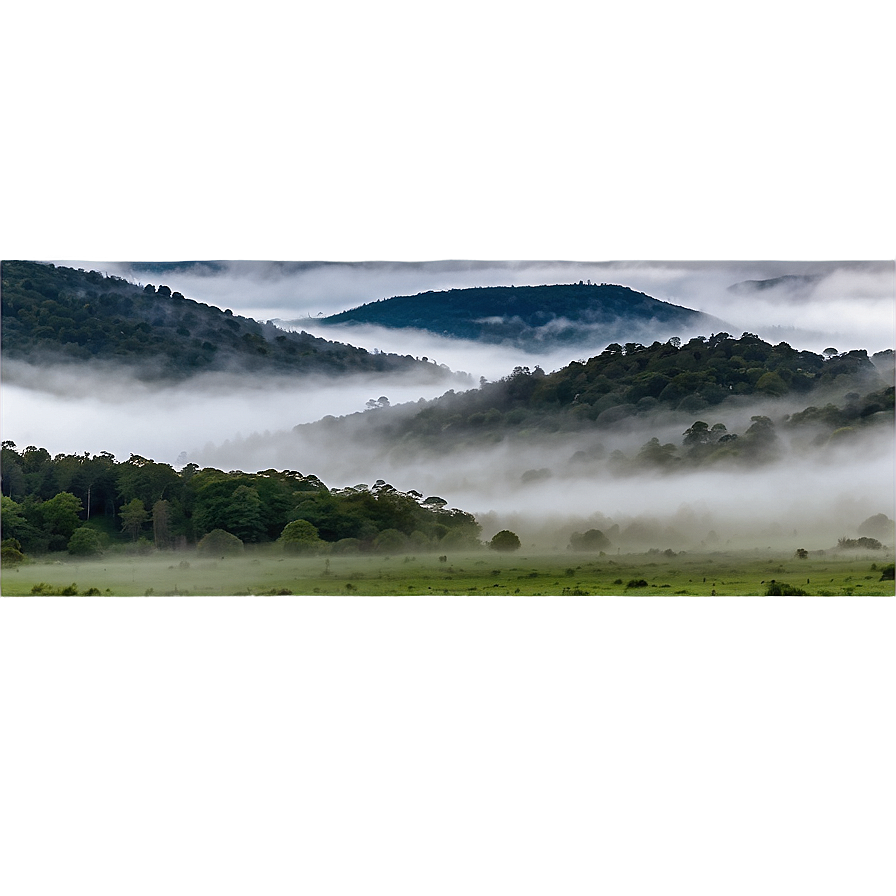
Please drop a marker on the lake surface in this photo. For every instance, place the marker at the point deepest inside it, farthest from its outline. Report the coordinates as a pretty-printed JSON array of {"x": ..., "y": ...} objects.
[{"x": 465, "y": 747}]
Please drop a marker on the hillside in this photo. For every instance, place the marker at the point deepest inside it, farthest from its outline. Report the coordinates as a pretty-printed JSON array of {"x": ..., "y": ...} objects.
[
  {"x": 52, "y": 314},
  {"x": 631, "y": 385},
  {"x": 530, "y": 316}
]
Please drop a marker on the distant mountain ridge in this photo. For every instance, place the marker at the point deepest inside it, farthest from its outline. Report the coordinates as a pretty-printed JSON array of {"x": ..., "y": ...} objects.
[
  {"x": 55, "y": 313},
  {"x": 530, "y": 316},
  {"x": 792, "y": 282}
]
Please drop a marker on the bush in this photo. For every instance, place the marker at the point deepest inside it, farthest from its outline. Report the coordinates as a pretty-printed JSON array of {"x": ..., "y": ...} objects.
[
  {"x": 887, "y": 572},
  {"x": 84, "y": 542},
  {"x": 300, "y": 537},
  {"x": 505, "y": 540},
  {"x": 11, "y": 551},
  {"x": 592, "y": 540},
  {"x": 636, "y": 583},
  {"x": 782, "y": 589},
  {"x": 389, "y": 541},
  {"x": 219, "y": 543}
]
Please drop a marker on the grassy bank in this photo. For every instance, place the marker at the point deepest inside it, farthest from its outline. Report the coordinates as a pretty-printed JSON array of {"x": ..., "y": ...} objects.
[{"x": 485, "y": 572}]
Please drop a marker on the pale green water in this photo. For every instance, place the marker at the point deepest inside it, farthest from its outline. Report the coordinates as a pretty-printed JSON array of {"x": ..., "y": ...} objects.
[{"x": 182, "y": 747}]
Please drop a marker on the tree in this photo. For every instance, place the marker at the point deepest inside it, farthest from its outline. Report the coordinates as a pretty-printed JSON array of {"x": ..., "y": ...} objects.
[
  {"x": 505, "y": 540},
  {"x": 219, "y": 543},
  {"x": 60, "y": 518},
  {"x": 133, "y": 517},
  {"x": 84, "y": 542},
  {"x": 161, "y": 524},
  {"x": 592, "y": 540},
  {"x": 300, "y": 537}
]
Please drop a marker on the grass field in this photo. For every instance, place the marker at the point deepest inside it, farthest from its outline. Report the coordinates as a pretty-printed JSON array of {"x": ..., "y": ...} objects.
[{"x": 258, "y": 572}]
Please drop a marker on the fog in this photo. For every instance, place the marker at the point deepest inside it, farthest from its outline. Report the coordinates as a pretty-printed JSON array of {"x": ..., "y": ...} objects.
[
  {"x": 68, "y": 409},
  {"x": 845, "y": 304},
  {"x": 537, "y": 485},
  {"x": 544, "y": 487}
]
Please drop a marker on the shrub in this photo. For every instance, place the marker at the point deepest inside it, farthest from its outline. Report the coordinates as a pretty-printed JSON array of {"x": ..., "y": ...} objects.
[
  {"x": 505, "y": 540},
  {"x": 219, "y": 543},
  {"x": 636, "y": 583},
  {"x": 11, "y": 551},
  {"x": 84, "y": 542},
  {"x": 592, "y": 540},
  {"x": 887, "y": 572},
  {"x": 300, "y": 537},
  {"x": 782, "y": 589}
]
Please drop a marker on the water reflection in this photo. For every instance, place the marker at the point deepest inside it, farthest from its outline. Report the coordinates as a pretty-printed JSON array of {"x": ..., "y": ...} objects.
[{"x": 458, "y": 747}]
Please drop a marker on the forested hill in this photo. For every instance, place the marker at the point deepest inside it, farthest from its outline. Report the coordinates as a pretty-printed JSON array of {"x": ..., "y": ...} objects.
[
  {"x": 535, "y": 315},
  {"x": 626, "y": 382},
  {"x": 53, "y": 313}
]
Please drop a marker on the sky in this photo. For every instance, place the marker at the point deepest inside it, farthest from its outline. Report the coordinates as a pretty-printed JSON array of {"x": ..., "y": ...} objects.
[{"x": 644, "y": 132}]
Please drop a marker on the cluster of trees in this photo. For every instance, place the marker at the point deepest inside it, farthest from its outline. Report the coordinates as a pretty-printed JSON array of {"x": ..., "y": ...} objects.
[
  {"x": 80, "y": 503},
  {"x": 520, "y": 313},
  {"x": 627, "y": 382},
  {"x": 77, "y": 315}
]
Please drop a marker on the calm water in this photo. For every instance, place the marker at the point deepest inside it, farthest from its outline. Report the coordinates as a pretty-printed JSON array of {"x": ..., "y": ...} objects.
[{"x": 181, "y": 747}]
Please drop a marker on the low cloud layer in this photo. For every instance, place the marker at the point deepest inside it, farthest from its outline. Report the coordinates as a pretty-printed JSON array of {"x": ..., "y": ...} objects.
[{"x": 841, "y": 304}]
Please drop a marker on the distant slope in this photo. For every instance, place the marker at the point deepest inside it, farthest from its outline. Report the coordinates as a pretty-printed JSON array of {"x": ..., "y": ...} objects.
[
  {"x": 52, "y": 313},
  {"x": 531, "y": 316},
  {"x": 793, "y": 283},
  {"x": 623, "y": 384}
]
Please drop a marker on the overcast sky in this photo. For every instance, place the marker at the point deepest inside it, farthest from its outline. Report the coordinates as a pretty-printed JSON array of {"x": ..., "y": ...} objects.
[{"x": 351, "y": 133}]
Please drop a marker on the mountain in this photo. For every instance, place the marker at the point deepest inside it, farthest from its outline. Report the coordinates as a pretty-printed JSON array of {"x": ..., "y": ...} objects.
[
  {"x": 57, "y": 314},
  {"x": 535, "y": 316},
  {"x": 793, "y": 283}
]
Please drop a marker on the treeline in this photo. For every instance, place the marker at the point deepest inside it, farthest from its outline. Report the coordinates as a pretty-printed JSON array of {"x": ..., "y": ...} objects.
[
  {"x": 81, "y": 504},
  {"x": 59, "y": 313},
  {"x": 635, "y": 381}
]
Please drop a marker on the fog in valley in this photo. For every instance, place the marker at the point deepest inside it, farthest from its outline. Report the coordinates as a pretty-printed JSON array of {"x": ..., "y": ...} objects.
[{"x": 544, "y": 486}]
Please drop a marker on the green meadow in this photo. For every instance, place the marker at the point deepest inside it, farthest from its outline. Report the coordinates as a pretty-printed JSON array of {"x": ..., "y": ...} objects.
[{"x": 263, "y": 571}]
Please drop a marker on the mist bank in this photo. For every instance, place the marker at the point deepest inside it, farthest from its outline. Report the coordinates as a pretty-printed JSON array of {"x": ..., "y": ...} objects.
[
  {"x": 72, "y": 408},
  {"x": 811, "y": 304},
  {"x": 752, "y": 474}
]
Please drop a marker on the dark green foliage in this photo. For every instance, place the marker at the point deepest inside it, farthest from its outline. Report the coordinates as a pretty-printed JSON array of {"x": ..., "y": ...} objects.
[
  {"x": 62, "y": 314},
  {"x": 636, "y": 583},
  {"x": 887, "y": 572},
  {"x": 782, "y": 589},
  {"x": 703, "y": 378},
  {"x": 84, "y": 542},
  {"x": 251, "y": 507},
  {"x": 11, "y": 551},
  {"x": 592, "y": 540},
  {"x": 219, "y": 543},
  {"x": 505, "y": 540},
  {"x": 300, "y": 537},
  {"x": 520, "y": 313},
  {"x": 863, "y": 543}
]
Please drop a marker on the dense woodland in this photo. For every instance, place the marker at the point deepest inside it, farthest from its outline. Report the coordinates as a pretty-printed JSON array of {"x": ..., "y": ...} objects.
[
  {"x": 630, "y": 385},
  {"x": 530, "y": 315},
  {"x": 84, "y": 504},
  {"x": 61, "y": 314}
]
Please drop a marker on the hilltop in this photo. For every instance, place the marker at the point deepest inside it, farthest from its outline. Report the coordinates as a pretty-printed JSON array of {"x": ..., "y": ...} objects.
[
  {"x": 57, "y": 314},
  {"x": 534, "y": 316}
]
